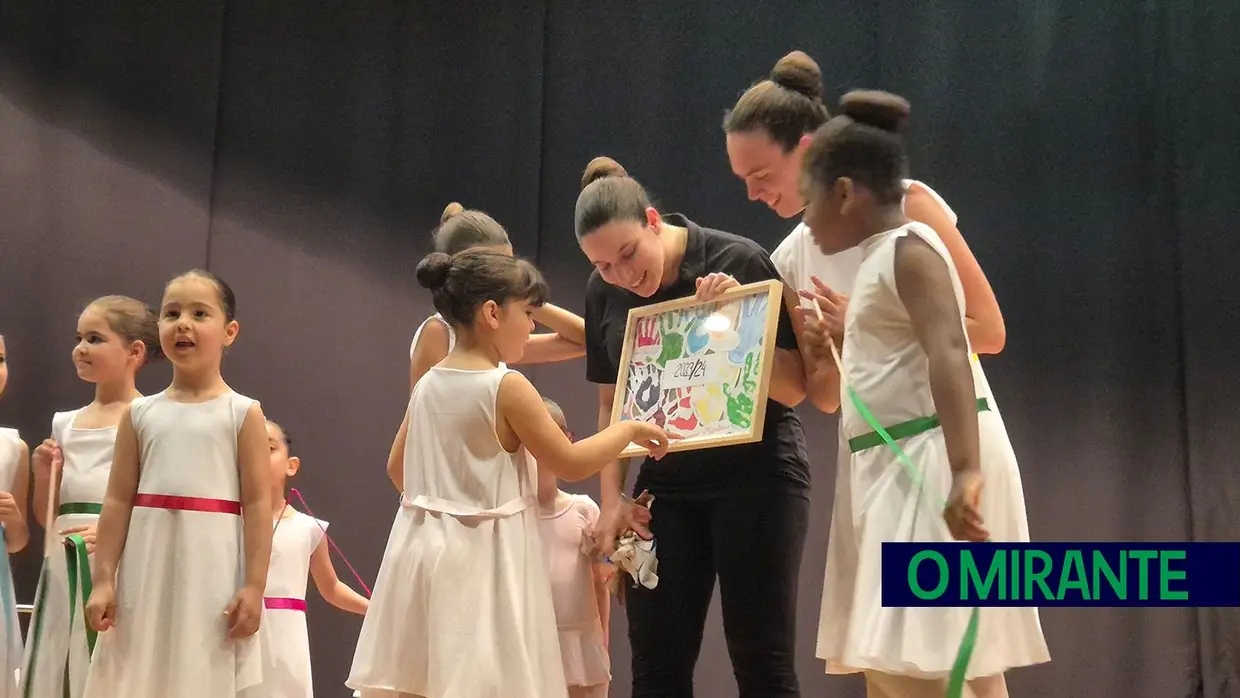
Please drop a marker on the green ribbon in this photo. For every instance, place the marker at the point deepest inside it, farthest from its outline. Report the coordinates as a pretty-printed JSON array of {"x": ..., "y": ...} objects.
[
  {"x": 955, "y": 682},
  {"x": 904, "y": 430},
  {"x": 8, "y": 598},
  {"x": 78, "y": 564},
  {"x": 36, "y": 632},
  {"x": 80, "y": 508}
]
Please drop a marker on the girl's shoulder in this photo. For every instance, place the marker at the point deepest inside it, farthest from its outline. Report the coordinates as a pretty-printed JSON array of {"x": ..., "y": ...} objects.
[
  {"x": 586, "y": 506},
  {"x": 11, "y": 446},
  {"x": 309, "y": 521},
  {"x": 9, "y": 435},
  {"x": 143, "y": 403},
  {"x": 314, "y": 529}
]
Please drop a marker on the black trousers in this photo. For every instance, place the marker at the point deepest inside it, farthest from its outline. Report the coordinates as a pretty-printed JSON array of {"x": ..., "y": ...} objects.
[{"x": 752, "y": 542}]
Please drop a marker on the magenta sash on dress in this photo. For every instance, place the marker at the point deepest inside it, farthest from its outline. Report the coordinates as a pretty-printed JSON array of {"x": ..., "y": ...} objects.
[{"x": 285, "y": 604}]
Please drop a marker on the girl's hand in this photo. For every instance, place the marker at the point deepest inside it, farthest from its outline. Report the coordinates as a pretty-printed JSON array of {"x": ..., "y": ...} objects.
[
  {"x": 615, "y": 520},
  {"x": 244, "y": 612},
  {"x": 834, "y": 307},
  {"x": 88, "y": 535},
  {"x": 815, "y": 335},
  {"x": 101, "y": 607},
  {"x": 48, "y": 457},
  {"x": 710, "y": 286},
  {"x": 653, "y": 438},
  {"x": 10, "y": 513},
  {"x": 963, "y": 512},
  {"x": 540, "y": 314}
]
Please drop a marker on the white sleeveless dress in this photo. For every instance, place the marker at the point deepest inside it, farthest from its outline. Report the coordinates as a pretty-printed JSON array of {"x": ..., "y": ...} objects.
[
  {"x": 10, "y": 633},
  {"x": 53, "y": 641},
  {"x": 886, "y": 366},
  {"x": 286, "y": 642},
  {"x": 798, "y": 259},
  {"x": 180, "y": 568},
  {"x": 462, "y": 605}
]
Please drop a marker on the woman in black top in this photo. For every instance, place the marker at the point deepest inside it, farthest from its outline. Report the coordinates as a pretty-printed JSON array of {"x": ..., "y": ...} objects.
[{"x": 735, "y": 513}]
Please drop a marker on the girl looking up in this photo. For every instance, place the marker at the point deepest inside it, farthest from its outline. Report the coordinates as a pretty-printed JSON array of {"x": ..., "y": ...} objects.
[{"x": 184, "y": 539}]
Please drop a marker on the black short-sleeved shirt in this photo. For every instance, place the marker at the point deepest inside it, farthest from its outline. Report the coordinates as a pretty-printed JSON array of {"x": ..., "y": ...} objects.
[{"x": 779, "y": 460}]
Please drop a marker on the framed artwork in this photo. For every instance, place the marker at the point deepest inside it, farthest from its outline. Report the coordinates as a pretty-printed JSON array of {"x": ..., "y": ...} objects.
[{"x": 702, "y": 370}]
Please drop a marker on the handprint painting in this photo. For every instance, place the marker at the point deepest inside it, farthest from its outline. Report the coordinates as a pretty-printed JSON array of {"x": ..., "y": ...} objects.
[{"x": 701, "y": 369}]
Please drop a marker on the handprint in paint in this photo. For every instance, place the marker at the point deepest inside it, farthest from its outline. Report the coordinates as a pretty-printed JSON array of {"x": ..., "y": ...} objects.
[
  {"x": 709, "y": 403},
  {"x": 740, "y": 404},
  {"x": 678, "y": 404},
  {"x": 643, "y": 390},
  {"x": 697, "y": 336},
  {"x": 750, "y": 324},
  {"x": 671, "y": 329},
  {"x": 646, "y": 343}
]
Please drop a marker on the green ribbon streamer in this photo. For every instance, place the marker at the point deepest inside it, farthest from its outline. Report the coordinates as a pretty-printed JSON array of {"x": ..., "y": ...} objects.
[
  {"x": 37, "y": 632},
  {"x": 78, "y": 563},
  {"x": 8, "y": 598},
  {"x": 955, "y": 682}
]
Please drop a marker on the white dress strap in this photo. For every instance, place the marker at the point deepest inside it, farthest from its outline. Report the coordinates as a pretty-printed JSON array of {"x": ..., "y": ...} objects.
[
  {"x": 934, "y": 194},
  {"x": 418, "y": 334},
  {"x": 61, "y": 422}
]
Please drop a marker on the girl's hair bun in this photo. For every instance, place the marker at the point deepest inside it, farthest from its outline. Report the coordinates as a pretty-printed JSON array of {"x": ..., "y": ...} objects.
[
  {"x": 882, "y": 110},
  {"x": 433, "y": 271},
  {"x": 452, "y": 209}
]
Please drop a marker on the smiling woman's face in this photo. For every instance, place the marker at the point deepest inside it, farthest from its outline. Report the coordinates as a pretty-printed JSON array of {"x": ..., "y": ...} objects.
[
  {"x": 770, "y": 174},
  {"x": 628, "y": 254}
]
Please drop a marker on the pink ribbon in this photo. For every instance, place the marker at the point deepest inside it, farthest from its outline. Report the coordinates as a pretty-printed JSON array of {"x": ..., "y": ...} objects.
[
  {"x": 331, "y": 542},
  {"x": 285, "y": 604}
]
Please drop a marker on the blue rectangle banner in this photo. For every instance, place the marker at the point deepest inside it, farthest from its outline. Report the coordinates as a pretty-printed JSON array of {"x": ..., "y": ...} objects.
[{"x": 1061, "y": 574}]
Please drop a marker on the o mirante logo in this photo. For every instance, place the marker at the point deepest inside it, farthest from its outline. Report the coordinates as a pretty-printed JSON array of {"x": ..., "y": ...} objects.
[{"x": 1061, "y": 574}]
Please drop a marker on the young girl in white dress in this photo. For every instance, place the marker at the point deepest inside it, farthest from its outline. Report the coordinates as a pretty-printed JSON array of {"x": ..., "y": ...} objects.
[
  {"x": 906, "y": 354},
  {"x": 187, "y": 516},
  {"x": 462, "y": 604},
  {"x": 116, "y": 336},
  {"x": 578, "y": 579},
  {"x": 298, "y": 550},
  {"x": 459, "y": 230},
  {"x": 14, "y": 478}
]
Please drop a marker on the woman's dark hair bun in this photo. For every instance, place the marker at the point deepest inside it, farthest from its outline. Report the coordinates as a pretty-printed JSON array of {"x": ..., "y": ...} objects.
[
  {"x": 799, "y": 73},
  {"x": 451, "y": 210},
  {"x": 433, "y": 271},
  {"x": 882, "y": 110},
  {"x": 601, "y": 167}
]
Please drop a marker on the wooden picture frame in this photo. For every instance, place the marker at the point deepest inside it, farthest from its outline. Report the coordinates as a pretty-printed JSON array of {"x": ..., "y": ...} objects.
[{"x": 721, "y": 353}]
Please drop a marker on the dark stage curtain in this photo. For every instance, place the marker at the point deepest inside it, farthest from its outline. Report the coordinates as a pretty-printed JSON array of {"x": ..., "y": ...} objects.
[{"x": 304, "y": 152}]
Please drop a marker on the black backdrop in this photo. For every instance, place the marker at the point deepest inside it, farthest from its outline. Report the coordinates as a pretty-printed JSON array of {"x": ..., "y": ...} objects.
[{"x": 304, "y": 150}]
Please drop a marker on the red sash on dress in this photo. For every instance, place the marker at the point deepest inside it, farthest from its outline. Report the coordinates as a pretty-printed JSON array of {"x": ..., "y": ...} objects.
[{"x": 169, "y": 501}]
